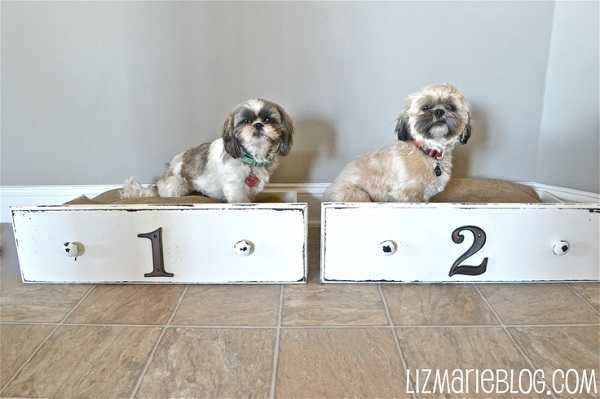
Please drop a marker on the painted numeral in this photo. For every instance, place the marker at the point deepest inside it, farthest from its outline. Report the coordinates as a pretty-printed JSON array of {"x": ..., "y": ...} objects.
[
  {"x": 478, "y": 243},
  {"x": 158, "y": 263}
]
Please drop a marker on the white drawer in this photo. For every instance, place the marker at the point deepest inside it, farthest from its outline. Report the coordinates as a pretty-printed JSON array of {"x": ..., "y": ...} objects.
[
  {"x": 200, "y": 243},
  {"x": 414, "y": 242}
]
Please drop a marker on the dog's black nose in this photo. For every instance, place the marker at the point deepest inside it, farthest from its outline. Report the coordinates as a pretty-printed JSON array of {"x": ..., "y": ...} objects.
[
  {"x": 258, "y": 126},
  {"x": 438, "y": 113}
]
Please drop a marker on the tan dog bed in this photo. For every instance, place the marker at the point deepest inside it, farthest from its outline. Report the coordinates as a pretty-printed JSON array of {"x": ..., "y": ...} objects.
[
  {"x": 471, "y": 190},
  {"x": 113, "y": 197},
  {"x": 461, "y": 190}
]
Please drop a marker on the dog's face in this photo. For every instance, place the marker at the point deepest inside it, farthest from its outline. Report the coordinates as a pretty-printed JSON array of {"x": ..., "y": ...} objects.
[
  {"x": 437, "y": 113},
  {"x": 261, "y": 127}
]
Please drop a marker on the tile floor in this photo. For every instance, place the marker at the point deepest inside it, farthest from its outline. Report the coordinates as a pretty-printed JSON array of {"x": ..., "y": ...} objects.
[{"x": 313, "y": 340}]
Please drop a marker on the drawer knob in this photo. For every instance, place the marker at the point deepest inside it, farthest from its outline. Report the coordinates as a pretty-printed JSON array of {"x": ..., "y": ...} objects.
[
  {"x": 73, "y": 249},
  {"x": 243, "y": 247},
  {"x": 387, "y": 247},
  {"x": 561, "y": 247}
]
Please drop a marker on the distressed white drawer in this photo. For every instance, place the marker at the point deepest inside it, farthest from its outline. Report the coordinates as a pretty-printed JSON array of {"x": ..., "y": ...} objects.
[
  {"x": 422, "y": 242},
  {"x": 208, "y": 243}
]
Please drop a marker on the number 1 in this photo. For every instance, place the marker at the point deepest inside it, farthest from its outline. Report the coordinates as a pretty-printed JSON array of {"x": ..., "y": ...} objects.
[{"x": 158, "y": 263}]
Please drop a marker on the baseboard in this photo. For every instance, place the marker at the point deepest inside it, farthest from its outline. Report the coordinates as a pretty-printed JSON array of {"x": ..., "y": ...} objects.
[
  {"x": 549, "y": 193},
  {"x": 311, "y": 193}
]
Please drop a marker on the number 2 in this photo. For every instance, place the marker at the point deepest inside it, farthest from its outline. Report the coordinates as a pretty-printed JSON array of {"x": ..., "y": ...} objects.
[{"x": 478, "y": 243}]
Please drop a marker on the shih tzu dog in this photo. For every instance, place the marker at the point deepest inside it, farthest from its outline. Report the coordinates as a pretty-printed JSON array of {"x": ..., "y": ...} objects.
[
  {"x": 233, "y": 168},
  {"x": 416, "y": 167}
]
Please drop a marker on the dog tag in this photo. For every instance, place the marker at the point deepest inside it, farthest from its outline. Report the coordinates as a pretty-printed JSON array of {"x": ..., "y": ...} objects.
[
  {"x": 251, "y": 181},
  {"x": 437, "y": 170}
]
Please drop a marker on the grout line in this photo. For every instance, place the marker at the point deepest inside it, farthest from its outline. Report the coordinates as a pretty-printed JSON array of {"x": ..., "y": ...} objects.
[
  {"x": 505, "y": 328},
  {"x": 314, "y": 327},
  {"x": 177, "y": 306},
  {"x": 395, "y": 337},
  {"x": 78, "y": 303},
  {"x": 158, "y": 341},
  {"x": 276, "y": 350},
  {"x": 170, "y": 325},
  {"x": 39, "y": 347},
  {"x": 477, "y": 326},
  {"x": 583, "y": 299},
  {"x": 489, "y": 305}
]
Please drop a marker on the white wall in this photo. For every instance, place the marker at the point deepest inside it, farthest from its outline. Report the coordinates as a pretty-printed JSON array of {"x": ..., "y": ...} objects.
[
  {"x": 93, "y": 92},
  {"x": 569, "y": 149}
]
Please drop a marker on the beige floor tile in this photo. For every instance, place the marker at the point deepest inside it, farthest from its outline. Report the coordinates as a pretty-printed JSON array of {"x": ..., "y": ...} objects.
[
  {"x": 39, "y": 302},
  {"x": 590, "y": 292},
  {"x": 229, "y": 305},
  {"x": 86, "y": 361},
  {"x": 559, "y": 349},
  {"x": 17, "y": 344},
  {"x": 9, "y": 263},
  {"x": 128, "y": 304},
  {"x": 461, "y": 349},
  {"x": 339, "y": 363},
  {"x": 534, "y": 304},
  {"x": 437, "y": 304},
  {"x": 314, "y": 253},
  {"x": 31, "y": 302},
  {"x": 211, "y": 363},
  {"x": 317, "y": 304}
]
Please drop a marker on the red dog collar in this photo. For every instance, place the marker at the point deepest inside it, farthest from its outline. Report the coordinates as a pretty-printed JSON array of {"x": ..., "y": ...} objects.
[{"x": 430, "y": 153}]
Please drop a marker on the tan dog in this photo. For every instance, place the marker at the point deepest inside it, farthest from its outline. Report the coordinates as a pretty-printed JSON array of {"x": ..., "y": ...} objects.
[{"x": 416, "y": 167}]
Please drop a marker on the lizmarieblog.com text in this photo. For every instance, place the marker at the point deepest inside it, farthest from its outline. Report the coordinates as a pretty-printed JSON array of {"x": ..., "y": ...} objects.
[{"x": 501, "y": 381}]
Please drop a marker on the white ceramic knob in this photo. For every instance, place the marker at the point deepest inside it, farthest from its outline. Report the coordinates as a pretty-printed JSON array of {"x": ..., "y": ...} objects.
[
  {"x": 561, "y": 247},
  {"x": 72, "y": 249},
  {"x": 243, "y": 247},
  {"x": 387, "y": 247}
]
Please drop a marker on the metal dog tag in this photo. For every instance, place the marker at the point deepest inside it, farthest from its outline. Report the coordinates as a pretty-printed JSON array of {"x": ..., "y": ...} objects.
[{"x": 251, "y": 181}]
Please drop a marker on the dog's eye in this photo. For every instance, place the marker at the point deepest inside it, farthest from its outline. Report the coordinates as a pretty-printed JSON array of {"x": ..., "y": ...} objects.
[
  {"x": 245, "y": 121},
  {"x": 425, "y": 108},
  {"x": 451, "y": 107},
  {"x": 267, "y": 120}
]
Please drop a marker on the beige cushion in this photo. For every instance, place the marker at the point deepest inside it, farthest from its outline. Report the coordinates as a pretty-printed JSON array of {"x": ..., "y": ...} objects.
[
  {"x": 463, "y": 190},
  {"x": 113, "y": 197},
  {"x": 485, "y": 190}
]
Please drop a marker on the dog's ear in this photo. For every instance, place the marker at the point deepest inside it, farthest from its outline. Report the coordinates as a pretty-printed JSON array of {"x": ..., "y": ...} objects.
[
  {"x": 402, "y": 127},
  {"x": 287, "y": 132},
  {"x": 466, "y": 134},
  {"x": 230, "y": 142}
]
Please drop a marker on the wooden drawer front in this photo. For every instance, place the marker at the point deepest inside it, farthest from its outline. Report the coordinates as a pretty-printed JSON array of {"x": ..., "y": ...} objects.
[
  {"x": 392, "y": 242},
  {"x": 198, "y": 244}
]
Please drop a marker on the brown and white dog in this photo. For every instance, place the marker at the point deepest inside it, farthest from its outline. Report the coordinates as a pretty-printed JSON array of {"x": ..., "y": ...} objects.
[
  {"x": 416, "y": 167},
  {"x": 233, "y": 168}
]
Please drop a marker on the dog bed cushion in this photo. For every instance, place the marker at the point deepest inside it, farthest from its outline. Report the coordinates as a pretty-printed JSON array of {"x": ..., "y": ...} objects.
[
  {"x": 113, "y": 197},
  {"x": 473, "y": 190},
  {"x": 463, "y": 190}
]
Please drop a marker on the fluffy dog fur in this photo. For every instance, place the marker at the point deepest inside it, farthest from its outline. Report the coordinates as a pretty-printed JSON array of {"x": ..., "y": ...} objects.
[
  {"x": 233, "y": 168},
  {"x": 435, "y": 118}
]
